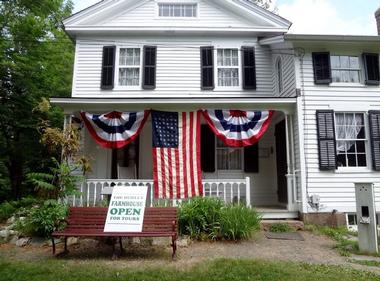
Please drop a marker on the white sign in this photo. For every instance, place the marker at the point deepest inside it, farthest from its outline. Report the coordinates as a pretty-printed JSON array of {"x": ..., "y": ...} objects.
[{"x": 126, "y": 209}]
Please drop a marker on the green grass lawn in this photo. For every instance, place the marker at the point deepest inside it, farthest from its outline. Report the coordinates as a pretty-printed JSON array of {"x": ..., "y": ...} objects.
[{"x": 223, "y": 269}]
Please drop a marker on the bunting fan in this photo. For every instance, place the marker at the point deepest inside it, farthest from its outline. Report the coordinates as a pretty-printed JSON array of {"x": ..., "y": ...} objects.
[
  {"x": 115, "y": 129},
  {"x": 238, "y": 128}
]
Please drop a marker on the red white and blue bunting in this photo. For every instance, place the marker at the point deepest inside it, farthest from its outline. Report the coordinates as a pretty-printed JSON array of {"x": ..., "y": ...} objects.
[
  {"x": 238, "y": 128},
  {"x": 115, "y": 129}
]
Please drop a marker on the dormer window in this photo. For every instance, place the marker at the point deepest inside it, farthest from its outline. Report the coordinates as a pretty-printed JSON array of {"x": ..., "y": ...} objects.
[{"x": 177, "y": 10}]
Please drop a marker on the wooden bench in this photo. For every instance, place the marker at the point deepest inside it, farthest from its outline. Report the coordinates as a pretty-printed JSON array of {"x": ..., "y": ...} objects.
[{"x": 89, "y": 222}]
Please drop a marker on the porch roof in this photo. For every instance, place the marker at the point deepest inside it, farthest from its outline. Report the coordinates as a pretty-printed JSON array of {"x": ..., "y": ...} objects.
[{"x": 70, "y": 105}]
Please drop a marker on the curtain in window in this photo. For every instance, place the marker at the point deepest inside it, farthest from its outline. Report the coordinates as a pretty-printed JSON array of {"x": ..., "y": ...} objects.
[{"x": 348, "y": 127}]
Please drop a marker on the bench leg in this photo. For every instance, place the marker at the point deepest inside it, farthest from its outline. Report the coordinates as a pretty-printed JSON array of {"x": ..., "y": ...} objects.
[
  {"x": 66, "y": 251},
  {"x": 174, "y": 245},
  {"x": 114, "y": 254},
  {"x": 53, "y": 245},
  {"x": 121, "y": 245}
]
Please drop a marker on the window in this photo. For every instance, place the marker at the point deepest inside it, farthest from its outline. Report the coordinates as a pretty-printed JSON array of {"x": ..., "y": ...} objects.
[
  {"x": 345, "y": 69},
  {"x": 228, "y": 67},
  {"x": 177, "y": 10},
  {"x": 228, "y": 158},
  {"x": 351, "y": 140},
  {"x": 279, "y": 75},
  {"x": 129, "y": 66}
]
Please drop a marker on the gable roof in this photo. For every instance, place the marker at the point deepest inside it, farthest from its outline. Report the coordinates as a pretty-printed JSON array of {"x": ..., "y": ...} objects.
[{"x": 244, "y": 15}]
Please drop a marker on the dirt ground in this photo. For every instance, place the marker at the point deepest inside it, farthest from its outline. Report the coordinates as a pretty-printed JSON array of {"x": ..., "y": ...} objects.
[{"x": 315, "y": 249}]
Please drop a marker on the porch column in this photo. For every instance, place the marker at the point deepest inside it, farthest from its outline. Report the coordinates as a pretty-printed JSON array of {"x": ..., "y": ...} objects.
[{"x": 290, "y": 161}]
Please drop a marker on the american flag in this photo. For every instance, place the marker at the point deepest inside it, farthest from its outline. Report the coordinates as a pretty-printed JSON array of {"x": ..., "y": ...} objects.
[{"x": 176, "y": 154}]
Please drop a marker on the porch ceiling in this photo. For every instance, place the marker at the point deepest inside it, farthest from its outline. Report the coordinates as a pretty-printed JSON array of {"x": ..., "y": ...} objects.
[{"x": 70, "y": 105}]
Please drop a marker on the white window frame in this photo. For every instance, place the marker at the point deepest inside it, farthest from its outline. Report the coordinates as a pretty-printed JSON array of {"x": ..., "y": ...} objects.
[
  {"x": 241, "y": 149},
  {"x": 359, "y": 169},
  {"x": 176, "y": 2},
  {"x": 117, "y": 68},
  {"x": 239, "y": 68},
  {"x": 360, "y": 70}
]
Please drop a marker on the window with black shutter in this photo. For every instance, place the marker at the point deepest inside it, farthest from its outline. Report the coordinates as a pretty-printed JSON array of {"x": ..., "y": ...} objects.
[
  {"x": 371, "y": 67},
  {"x": 249, "y": 68},
  {"x": 207, "y": 149},
  {"x": 322, "y": 68},
  {"x": 149, "y": 68},
  {"x": 207, "y": 68},
  {"x": 374, "y": 126},
  {"x": 108, "y": 67},
  {"x": 251, "y": 158},
  {"x": 326, "y": 140}
]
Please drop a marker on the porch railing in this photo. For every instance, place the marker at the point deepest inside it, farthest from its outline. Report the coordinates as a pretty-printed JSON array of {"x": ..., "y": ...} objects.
[{"x": 94, "y": 192}]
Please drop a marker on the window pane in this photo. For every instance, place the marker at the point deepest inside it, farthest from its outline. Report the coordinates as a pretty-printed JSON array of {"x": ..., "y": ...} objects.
[
  {"x": 362, "y": 160},
  {"x": 222, "y": 159},
  {"x": 228, "y": 77},
  {"x": 129, "y": 76},
  {"x": 335, "y": 76},
  {"x": 354, "y": 62},
  {"x": 177, "y": 10},
  {"x": 351, "y": 143},
  {"x": 354, "y": 76},
  {"x": 345, "y": 76},
  {"x": 123, "y": 57},
  {"x": 335, "y": 62},
  {"x": 344, "y": 62}
]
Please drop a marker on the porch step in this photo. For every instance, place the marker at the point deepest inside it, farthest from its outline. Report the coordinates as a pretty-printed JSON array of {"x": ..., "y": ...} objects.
[{"x": 295, "y": 224}]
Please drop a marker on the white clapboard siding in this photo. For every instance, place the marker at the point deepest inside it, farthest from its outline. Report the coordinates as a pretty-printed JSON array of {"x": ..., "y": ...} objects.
[
  {"x": 288, "y": 74},
  {"x": 335, "y": 188},
  {"x": 209, "y": 15},
  {"x": 178, "y": 68}
]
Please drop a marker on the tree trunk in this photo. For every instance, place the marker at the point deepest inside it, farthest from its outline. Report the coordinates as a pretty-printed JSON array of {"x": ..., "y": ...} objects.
[{"x": 16, "y": 175}]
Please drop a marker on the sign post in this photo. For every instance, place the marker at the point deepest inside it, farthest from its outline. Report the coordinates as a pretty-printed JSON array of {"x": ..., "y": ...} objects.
[{"x": 126, "y": 209}]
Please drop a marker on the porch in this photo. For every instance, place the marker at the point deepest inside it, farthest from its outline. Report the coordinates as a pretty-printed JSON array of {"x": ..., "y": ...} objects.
[{"x": 271, "y": 184}]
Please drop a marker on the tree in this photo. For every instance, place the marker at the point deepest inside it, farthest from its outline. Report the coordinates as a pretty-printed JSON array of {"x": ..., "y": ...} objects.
[
  {"x": 266, "y": 4},
  {"x": 36, "y": 59}
]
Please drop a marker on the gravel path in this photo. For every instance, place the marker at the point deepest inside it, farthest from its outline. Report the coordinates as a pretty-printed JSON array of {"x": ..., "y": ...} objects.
[{"x": 315, "y": 249}]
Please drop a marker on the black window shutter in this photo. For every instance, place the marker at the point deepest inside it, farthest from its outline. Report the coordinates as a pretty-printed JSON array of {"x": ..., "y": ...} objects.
[
  {"x": 149, "y": 68},
  {"x": 207, "y": 68},
  {"x": 374, "y": 127},
  {"x": 326, "y": 140},
  {"x": 371, "y": 66},
  {"x": 322, "y": 68},
  {"x": 207, "y": 149},
  {"x": 251, "y": 158},
  {"x": 249, "y": 68},
  {"x": 108, "y": 67}
]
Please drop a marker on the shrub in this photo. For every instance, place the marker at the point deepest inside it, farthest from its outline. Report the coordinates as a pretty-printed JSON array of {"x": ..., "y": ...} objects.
[
  {"x": 200, "y": 218},
  {"x": 238, "y": 222},
  {"x": 280, "y": 227},
  {"x": 42, "y": 220},
  {"x": 6, "y": 211},
  {"x": 210, "y": 218}
]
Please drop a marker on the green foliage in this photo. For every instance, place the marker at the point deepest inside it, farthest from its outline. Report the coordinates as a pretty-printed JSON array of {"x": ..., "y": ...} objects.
[
  {"x": 43, "y": 219},
  {"x": 200, "y": 218},
  {"x": 59, "y": 183},
  {"x": 216, "y": 270},
  {"x": 280, "y": 227},
  {"x": 36, "y": 59},
  {"x": 238, "y": 222},
  {"x": 344, "y": 246},
  {"x": 7, "y": 209},
  {"x": 210, "y": 218}
]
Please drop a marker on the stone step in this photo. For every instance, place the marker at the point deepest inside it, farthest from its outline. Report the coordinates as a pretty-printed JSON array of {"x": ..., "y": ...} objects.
[{"x": 295, "y": 224}]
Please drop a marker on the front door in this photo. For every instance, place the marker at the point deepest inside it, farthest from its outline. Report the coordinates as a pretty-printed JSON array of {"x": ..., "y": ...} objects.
[{"x": 282, "y": 169}]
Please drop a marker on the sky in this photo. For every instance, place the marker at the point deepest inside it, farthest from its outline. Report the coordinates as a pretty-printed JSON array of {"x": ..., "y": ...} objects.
[{"x": 354, "y": 17}]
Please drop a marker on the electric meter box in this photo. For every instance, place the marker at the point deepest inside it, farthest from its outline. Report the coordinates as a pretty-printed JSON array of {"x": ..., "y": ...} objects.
[{"x": 366, "y": 217}]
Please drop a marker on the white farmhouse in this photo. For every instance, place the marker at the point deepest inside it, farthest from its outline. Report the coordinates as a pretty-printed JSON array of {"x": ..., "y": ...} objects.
[{"x": 186, "y": 55}]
